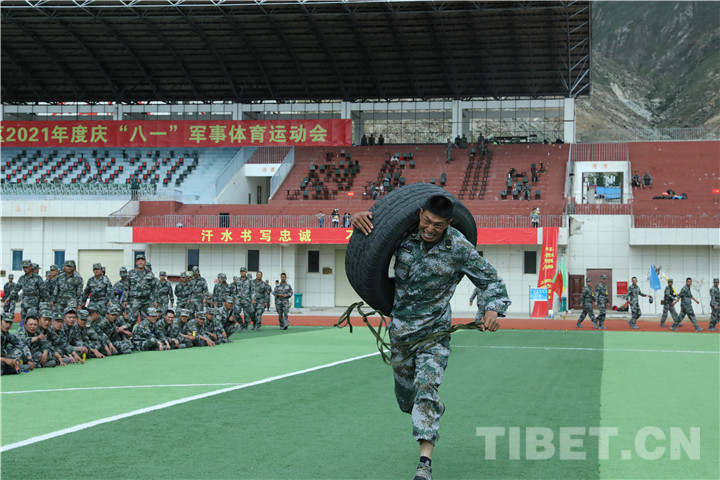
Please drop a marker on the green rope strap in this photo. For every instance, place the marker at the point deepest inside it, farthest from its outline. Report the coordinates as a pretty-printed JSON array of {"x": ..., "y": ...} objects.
[{"x": 409, "y": 349}]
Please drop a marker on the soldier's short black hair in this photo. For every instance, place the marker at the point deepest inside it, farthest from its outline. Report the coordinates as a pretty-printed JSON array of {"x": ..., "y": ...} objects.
[
  {"x": 439, "y": 205},
  {"x": 689, "y": 278}
]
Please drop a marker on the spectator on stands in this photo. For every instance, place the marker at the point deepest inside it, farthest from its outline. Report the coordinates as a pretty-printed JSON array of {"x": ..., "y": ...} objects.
[
  {"x": 371, "y": 141},
  {"x": 647, "y": 180},
  {"x": 373, "y": 191},
  {"x": 512, "y": 173},
  {"x": 346, "y": 220},
  {"x": 458, "y": 140},
  {"x": 321, "y": 218},
  {"x": 364, "y": 140},
  {"x": 535, "y": 217},
  {"x": 381, "y": 140},
  {"x": 636, "y": 180},
  {"x": 463, "y": 141},
  {"x": 335, "y": 218},
  {"x": 481, "y": 139},
  {"x": 448, "y": 150}
]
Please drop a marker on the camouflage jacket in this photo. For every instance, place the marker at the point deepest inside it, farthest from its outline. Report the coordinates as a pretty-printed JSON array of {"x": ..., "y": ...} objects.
[
  {"x": 425, "y": 281},
  {"x": 102, "y": 336},
  {"x": 220, "y": 292},
  {"x": 10, "y": 291},
  {"x": 13, "y": 347},
  {"x": 198, "y": 289},
  {"x": 479, "y": 295},
  {"x": 98, "y": 290},
  {"x": 49, "y": 289},
  {"x": 259, "y": 290},
  {"x": 142, "y": 284},
  {"x": 110, "y": 330},
  {"x": 586, "y": 296},
  {"x": 669, "y": 295},
  {"x": 165, "y": 293},
  {"x": 37, "y": 346},
  {"x": 169, "y": 331},
  {"x": 685, "y": 297},
  {"x": 222, "y": 315},
  {"x": 69, "y": 288},
  {"x": 283, "y": 289},
  {"x": 84, "y": 337},
  {"x": 31, "y": 285},
  {"x": 59, "y": 341},
  {"x": 244, "y": 290},
  {"x": 182, "y": 294},
  {"x": 634, "y": 294},
  {"x": 121, "y": 291},
  {"x": 714, "y": 296},
  {"x": 601, "y": 293},
  {"x": 144, "y": 336}
]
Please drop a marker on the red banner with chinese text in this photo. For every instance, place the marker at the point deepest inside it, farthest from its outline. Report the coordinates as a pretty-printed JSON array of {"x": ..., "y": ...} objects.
[
  {"x": 176, "y": 133},
  {"x": 548, "y": 259},
  {"x": 222, "y": 235}
]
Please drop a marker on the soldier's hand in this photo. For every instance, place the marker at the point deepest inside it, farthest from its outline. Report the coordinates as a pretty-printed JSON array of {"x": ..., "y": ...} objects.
[
  {"x": 362, "y": 221},
  {"x": 98, "y": 354},
  {"x": 43, "y": 358},
  {"x": 11, "y": 362},
  {"x": 31, "y": 364},
  {"x": 490, "y": 321}
]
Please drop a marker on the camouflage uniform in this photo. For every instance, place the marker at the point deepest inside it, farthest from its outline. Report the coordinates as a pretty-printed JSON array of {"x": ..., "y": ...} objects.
[
  {"x": 10, "y": 294},
  {"x": 171, "y": 331},
  {"x": 30, "y": 287},
  {"x": 268, "y": 294},
  {"x": 187, "y": 327},
  {"x": 633, "y": 296},
  {"x": 586, "y": 298},
  {"x": 59, "y": 341},
  {"x": 668, "y": 299},
  {"x": 144, "y": 337},
  {"x": 259, "y": 290},
  {"x": 221, "y": 290},
  {"x": 215, "y": 325},
  {"x": 282, "y": 304},
  {"x": 601, "y": 295},
  {"x": 243, "y": 300},
  {"x": 69, "y": 289},
  {"x": 202, "y": 331},
  {"x": 13, "y": 347},
  {"x": 121, "y": 289},
  {"x": 110, "y": 329},
  {"x": 198, "y": 292},
  {"x": 714, "y": 305},
  {"x": 142, "y": 292},
  {"x": 84, "y": 336},
  {"x": 425, "y": 281},
  {"x": 98, "y": 292},
  {"x": 479, "y": 296},
  {"x": 37, "y": 347},
  {"x": 165, "y": 297},
  {"x": 182, "y": 292},
  {"x": 686, "y": 308},
  {"x": 226, "y": 318},
  {"x": 50, "y": 286}
]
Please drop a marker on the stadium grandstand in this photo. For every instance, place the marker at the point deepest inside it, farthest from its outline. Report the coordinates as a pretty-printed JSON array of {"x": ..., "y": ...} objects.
[{"x": 212, "y": 134}]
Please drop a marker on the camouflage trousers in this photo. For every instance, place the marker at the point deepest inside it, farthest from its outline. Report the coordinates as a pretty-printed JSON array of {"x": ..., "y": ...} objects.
[
  {"x": 257, "y": 312},
  {"x": 230, "y": 328},
  {"x": 124, "y": 346},
  {"x": 714, "y": 315},
  {"x": 196, "y": 305},
  {"x": 417, "y": 380},
  {"x": 586, "y": 311},
  {"x": 600, "y": 319},
  {"x": 50, "y": 363},
  {"x": 282, "y": 311},
  {"x": 636, "y": 313},
  {"x": 100, "y": 305},
  {"x": 138, "y": 306},
  {"x": 690, "y": 313},
  {"x": 240, "y": 309},
  {"x": 668, "y": 307},
  {"x": 27, "y": 304},
  {"x": 9, "y": 307}
]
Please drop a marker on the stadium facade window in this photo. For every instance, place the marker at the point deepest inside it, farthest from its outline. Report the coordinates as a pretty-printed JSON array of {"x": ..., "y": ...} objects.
[
  {"x": 313, "y": 261},
  {"x": 17, "y": 259},
  {"x": 59, "y": 258},
  {"x": 253, "y": 260},
  {"x": 193, "y": 258},
  {"x": 530, "y": 262},
  {"x": 224, "y": 220}
]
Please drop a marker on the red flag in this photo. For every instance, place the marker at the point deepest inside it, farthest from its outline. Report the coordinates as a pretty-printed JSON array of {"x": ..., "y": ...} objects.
[{"x": 558, "y": 281}]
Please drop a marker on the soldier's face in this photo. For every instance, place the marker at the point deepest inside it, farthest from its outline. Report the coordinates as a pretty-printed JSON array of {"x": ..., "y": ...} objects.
[
  {"x": 283, "y": 278},
  {"x": 688, "y": 282},
  {"x": 27, "y": 269},
  {"x": 31, "y": 325},
  {"x": 57, "y": 324},
  {"x": 432, "y": 227},
  {"x": 82, "y": 322},
  {"x": 169, "y": 318},
  {"x": 634, "y": 281},
  {"x": 53, "y": 273},
  {"x": 6, "y": 324},
  {"x": 140, "y": 263},
  {"x": 43, "y": 322},
  {"x": 97, "y": 272},
  {"x": 243, "y": 275},
  {"x": 152, "y": 318},
  {"x": 111, "y": 317},
  {"x": 70, "y": 319},
  {"x": 258, "y": 275},
  {"x": 200, "y": 320}
]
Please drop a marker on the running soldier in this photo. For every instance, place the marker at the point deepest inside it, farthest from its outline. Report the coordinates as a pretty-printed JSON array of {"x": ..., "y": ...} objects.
[
  {"x": 142, "y": 290},
  {"x": 30, "y": 288},
  {"x": 243, "y": 300},
  {"x": 601, "y": 295},
  {"x": 686, "y": 308},
  {"x": 258, "y": 300},
  {"x": 98, "y": 291},
  {"x": 198, "y": 291},
  {"x": 633, "y": 296},
  {"x": 669, "y": 301},
  {"x": 10, "y": 292},
  {"x": 165, "y": 297},
  {"x": 283, "y": 293},
  {"x": 714, "y": 305},
  {"x": 69, "y": 287},
  {"x": 586, "y": 298}
]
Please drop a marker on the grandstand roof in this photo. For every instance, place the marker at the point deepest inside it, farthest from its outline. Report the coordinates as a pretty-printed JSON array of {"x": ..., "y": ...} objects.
[{"x": 243, "y": 51}]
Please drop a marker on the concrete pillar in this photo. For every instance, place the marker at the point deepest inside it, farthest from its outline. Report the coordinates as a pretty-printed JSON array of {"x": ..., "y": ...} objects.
[
  {"x": 569, "y": 120},
  {"x": 457, "y": 119}
]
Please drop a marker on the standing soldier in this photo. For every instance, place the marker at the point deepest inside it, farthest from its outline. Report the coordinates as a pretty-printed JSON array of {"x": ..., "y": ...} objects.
[
  {"x": 121, "y": 289},
  {"x": 182, "y": 291},
  {"x": 243, "y": 302},
  {"x": 221, "y": 291},
  {"x": 258, "y": 300},
  {"x": 586, "y": 298},
  {"x": 198, "y": 291},
  {"x": 98, "y": 291},
  {"x": 30, "y": 285},
  {"x": 686, "y": 308},
  {"x": 601, "y": 295},
  {"x": 283, "y": 293},
  {"x": 714, "y": 305},
  {"x": 50, "y": 285},
  {"x": 165, "y": 297},
  {"x": 142, "y": 294},
  {"x": 633, "y": 296},
  {"x": 669, "y": 301},
  {"x": 10, "y": 292},
  {"x": 268, "y": 293},
  {"x": 69, "y": 287}
]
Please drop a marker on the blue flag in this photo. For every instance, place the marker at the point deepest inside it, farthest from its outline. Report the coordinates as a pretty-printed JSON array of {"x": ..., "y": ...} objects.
[{"x": 654, "y": 279}]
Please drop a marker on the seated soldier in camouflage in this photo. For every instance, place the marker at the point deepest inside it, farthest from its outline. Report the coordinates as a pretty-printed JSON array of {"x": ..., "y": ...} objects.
[
  {"x": 44, "y": 320},
  {"x": 72, "y": 333},
  {"x": 429, "y": 263},
  {"x": 172, "y": 331},
  {"x": 107, "y": 345},
  {"x": 187, "y": 327},
  {"x": 116, "y": 331},
  {"x": 226, "y": 318},
  {"x": 215, "y": 330},
  {"x": 86, "y": 336},
  {"x": 37, "y": 342},
  {"x": 144, "y": 337},
  {"x": 202, "y": 330},
  {"x": 15, "y": 356},
  {"x": 57, "y": 336}
]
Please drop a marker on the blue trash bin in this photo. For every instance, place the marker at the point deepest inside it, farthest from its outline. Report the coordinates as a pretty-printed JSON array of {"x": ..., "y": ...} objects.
[{"x": 298, "y": 300}]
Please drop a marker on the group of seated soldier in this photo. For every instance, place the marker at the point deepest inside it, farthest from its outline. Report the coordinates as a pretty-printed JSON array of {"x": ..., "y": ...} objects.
[{"x": 642, "y": 182}]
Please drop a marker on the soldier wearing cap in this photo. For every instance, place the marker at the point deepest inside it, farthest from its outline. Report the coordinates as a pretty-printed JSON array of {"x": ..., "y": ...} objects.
[
  {"x": 165, "y": 297},
  {"x": 10, "y": 294},
  {"x": 36, "y": 341},
  {"x": 226, "y": 318},
  {"x": 215, "y": 327},
  {"x": 81, "y": 336},
  {"x": 601, "y": 295},
  {"x": 15, "y": 356},
  {"x": 669, "y": 300},
  {"x": 94, "y": 323},
  {"x": 30, "y": 287},
  {"x": 198, "y": 291},
  {"x": 142, "y": 290},
  {"x": 243, "y": 300},
  {"x": 182, "y": 291},
  {"x": 586, "y": 298},
  {"x": 714, "y": 305},
  {"x": 283, "y": 293},
  {"x": 221, "y": 290},
  {"x": 171, "y": 331},
  {"x": 121, "y": 289},
  {"x": 144, "y": 337},
  {"x": 98, "y": 291},
  {"x": 259, "y": 289},
  {"x": 202, "y": 330},
  {"x": 633, "y": 297},
  {"x": 44, "y": 320},
  {"x": 57, "y": 336},
  {"x": 115, "y": 330},
  {"x": 69, "y": 287},
  {"x": 686, "y": 299},
  {"x": 50, "y": 285},
  {"x": 186, "y": 327}
]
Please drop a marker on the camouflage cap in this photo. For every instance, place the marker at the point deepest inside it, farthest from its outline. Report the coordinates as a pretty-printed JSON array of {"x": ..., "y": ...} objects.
[
  {"x": 230, "y": 300},
  {"x": 152, "y": 312},
  {"x": 47, "y": 272},
  {"x": 53, "y": 267},
  {"x": 140, "y": 255},
  {"x": 36, "y": 266},
  {"x": 243, "y": 269},
  {"x": 670, "y": 280},
  {"x": 603, "y": 277},
  {"x": 222, "y": 276},
  {"x": 46, "y": 314},
  {"x": 26, "y": 263},
  {"x": 195, "y": 269},
  {"x": 83, "y": 314},
  {"x": 716, "y": 280},
  {"x": 114, "y": 310},
  {"x": 184, "y": 312},
  {"x": 31, "y": 312},
  {"x": 11, "y": 276},
  {"x": 209, "y": 311},
  {"x": 163, "y": 274},
  {"x": 69, "y": 263},
  {"x": 58, "y": 316},
  {"x": 70, "y": 309},
  {"x": 234, "y": 278},
  {"x": 123, "y": 271},
  {"x": 148, "y": 265},
  {"x": 588, "y": 279},
  {"x": 183, "y": 274},
  {"x": 8, "y": 317},
  {"x": 97, "y": 266}
]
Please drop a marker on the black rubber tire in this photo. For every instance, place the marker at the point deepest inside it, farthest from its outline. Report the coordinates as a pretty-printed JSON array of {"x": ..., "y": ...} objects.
[{"x": 394, "y": 217}]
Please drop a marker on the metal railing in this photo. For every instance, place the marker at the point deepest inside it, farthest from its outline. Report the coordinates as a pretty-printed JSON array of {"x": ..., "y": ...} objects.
[
  {"x": 89, "y": 189},
  {"x": 572, "y": 208},
  {"x": 518, "y": 221},
  {"x": 126, "y": 214},
  {"x": 648, "y": 134},
  {"x": 269, "y": 155},
  {"x": 599, "y": 152},
  {"x": 676, "y": 221},
  {"x": 227, "y": 173},
  {"x": 282, "y": 171}
]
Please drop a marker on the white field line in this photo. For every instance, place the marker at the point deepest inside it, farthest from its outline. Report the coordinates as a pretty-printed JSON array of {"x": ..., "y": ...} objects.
[
  {"x": 120, "y": 387},
  {"x": 588, "y": 349},
  {"x": 172, "y": 403}
]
